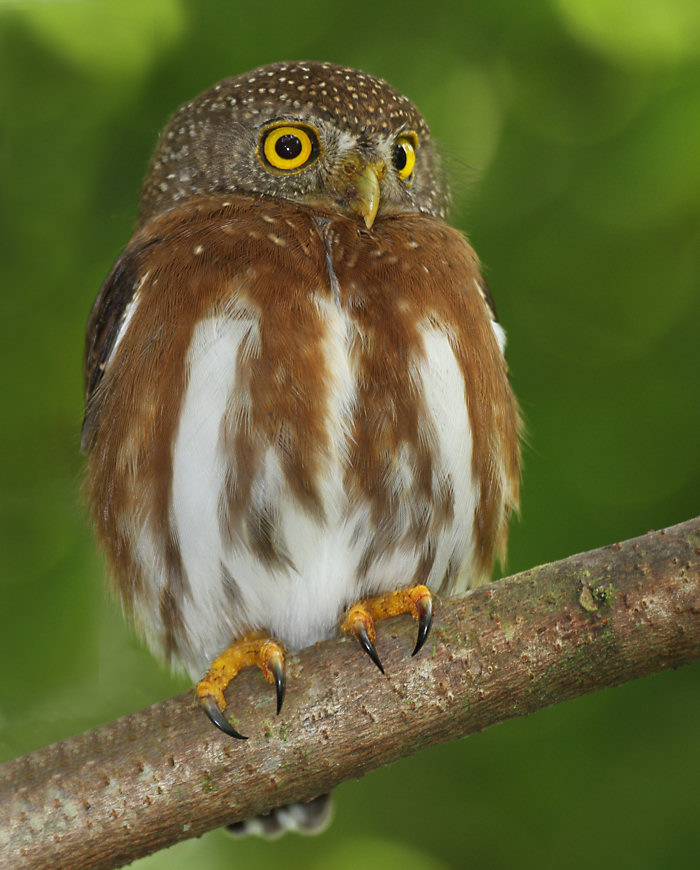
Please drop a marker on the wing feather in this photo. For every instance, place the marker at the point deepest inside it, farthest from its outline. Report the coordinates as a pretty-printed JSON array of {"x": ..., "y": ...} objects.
[{"x": 105, "y": 323}]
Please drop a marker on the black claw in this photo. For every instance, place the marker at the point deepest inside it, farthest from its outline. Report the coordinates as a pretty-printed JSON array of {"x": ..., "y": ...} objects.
[
  {"x": 211, "y": 708},
  {"x": 368, "y": 646},
  {"x": 425, "y": 617},
  {"x": 278, "y": 672}
]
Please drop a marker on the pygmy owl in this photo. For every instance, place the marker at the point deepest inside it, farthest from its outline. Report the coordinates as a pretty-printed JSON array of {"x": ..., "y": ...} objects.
[{"x": 298, "y": 409}]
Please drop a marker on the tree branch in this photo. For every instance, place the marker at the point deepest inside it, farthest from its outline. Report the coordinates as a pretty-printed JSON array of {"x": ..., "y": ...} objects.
[{"x": 558, "y": 631}]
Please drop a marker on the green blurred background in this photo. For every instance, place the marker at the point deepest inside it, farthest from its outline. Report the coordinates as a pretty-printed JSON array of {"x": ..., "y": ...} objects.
[{"x": 572, "y": 132}]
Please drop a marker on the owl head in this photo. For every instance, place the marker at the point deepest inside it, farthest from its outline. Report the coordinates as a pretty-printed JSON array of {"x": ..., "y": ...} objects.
[{"x": 324, "y": 136}]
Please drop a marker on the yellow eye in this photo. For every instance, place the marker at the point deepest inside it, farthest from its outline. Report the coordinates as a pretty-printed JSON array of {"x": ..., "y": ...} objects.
[
  {"x": 288, "y": 147},
  {"x": 404, "y": 154}
]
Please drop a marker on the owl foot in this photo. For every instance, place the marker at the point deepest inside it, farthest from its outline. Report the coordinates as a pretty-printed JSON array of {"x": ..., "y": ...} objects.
[
  {"x": 251, "y": 651},
  {"x": 360, "y": 619}
]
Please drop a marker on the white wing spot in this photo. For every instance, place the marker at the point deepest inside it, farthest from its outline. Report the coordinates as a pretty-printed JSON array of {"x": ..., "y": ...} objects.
[{"x": 129, "y": 312}]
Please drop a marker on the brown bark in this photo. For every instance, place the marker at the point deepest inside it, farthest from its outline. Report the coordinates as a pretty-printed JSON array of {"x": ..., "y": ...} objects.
[{"x": 161, "y": 775}]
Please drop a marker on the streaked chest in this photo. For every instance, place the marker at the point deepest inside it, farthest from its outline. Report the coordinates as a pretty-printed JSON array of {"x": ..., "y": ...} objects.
[{"x": 300, "y": 419}]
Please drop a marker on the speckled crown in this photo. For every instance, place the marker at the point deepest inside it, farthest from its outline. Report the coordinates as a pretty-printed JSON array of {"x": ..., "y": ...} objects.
[
  {"x": 338, "y": 92},
  {"x": 198, "y": 152}
]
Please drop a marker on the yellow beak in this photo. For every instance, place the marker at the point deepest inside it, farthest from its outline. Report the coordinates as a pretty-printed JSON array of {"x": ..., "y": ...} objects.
[{"x": 364, "y": 191}]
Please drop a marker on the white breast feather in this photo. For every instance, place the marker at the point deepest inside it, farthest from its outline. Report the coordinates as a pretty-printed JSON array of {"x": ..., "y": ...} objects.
[
  {"x": 198, "y": 475},
  {"x": 300, "y": 603},
  {"x": 444, "y": 394}
]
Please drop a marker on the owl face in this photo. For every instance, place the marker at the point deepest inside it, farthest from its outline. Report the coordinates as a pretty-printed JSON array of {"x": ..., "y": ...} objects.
[{"x": 324, "y": 136}]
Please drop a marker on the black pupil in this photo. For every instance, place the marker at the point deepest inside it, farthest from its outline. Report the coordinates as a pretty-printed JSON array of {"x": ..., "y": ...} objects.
[
  {"x": 400, "y": 157},
  {"x": 288, "y": 146}
]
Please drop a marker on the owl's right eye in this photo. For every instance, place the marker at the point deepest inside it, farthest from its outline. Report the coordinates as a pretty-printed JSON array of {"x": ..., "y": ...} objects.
[
  {"x": 404, "y": 155},
  {"x": 287, "y": 147}
]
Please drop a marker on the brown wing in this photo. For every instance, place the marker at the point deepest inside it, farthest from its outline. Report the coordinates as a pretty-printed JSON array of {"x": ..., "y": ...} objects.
[
  {"x": 486, "y": 294},
  {"x": 105, "y": 319}
]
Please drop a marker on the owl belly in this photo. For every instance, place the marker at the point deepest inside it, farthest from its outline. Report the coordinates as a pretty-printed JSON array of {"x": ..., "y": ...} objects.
[{"x": 269, "y": 542}]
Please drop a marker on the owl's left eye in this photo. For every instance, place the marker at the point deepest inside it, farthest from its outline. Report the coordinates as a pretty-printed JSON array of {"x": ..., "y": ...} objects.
[
  {"x": 404, "y": 154},
  {"x": 287, "y": 147}
]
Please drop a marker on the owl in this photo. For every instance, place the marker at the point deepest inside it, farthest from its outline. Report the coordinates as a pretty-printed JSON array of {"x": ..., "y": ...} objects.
[{"x": 298, "y": 414}]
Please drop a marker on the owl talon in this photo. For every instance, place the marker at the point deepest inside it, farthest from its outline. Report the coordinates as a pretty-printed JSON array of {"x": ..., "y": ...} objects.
[
  {"x": 252, "y": 651},
  {"x": 424, "y": 605},
  {"x": 359, "y": 620},
  {"x": 275, "y": 663},
  {"x": 367, "y": 645},
  {"x": 211, "y": 708}
]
